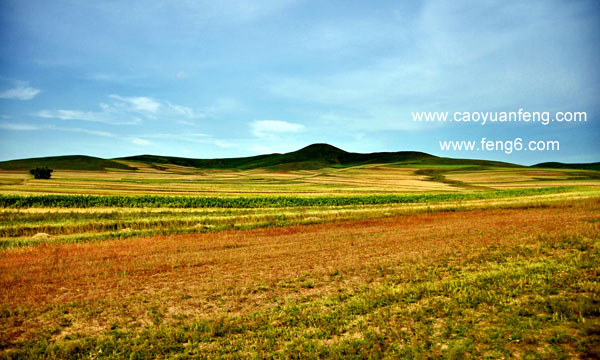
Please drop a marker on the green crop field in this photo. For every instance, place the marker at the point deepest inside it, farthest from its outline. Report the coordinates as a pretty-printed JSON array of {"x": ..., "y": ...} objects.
[{"x": 407, "y": 259}]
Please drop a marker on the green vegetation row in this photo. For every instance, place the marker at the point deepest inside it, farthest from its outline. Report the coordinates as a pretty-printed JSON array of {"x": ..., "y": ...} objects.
[
  {"x": 20, "y": 227},
  {"x": 90, "y": 201}
]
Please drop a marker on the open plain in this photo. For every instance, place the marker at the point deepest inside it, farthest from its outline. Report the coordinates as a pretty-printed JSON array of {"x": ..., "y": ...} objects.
[{"x": 382, "y": 260}]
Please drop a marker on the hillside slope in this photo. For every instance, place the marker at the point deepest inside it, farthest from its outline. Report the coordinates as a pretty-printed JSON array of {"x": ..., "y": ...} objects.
[{"x": 69, "y": 162}]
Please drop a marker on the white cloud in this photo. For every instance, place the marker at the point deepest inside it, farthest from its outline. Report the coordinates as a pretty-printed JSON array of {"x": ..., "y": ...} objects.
[
  {"x": 68, "y": 115},
  {"x": 127, "y": 111},
  {"x": 265, "y": 128},
  {"x": 184, "y": 111},
  {"x": 26, "y": 127},
  {"x": 105, "y": 116},
  {"x": 139, "y": 103},
  {"x": 138, "y": 141},
  {"x": 13, "y": 126},
  {"x": 21, "y": 92},
  {"x": 84, "y": 131},
  {"x": 198, "y": 138},
  {"x": 194, "y": 137}
]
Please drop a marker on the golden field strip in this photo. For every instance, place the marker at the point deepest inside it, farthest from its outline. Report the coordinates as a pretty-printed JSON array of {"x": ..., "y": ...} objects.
[
  {"x": 359, "y": 180},
  {"x": 175, "y": 181},
  {"x": 32, "y": 226},
  {"x": 495, "y": 277}
]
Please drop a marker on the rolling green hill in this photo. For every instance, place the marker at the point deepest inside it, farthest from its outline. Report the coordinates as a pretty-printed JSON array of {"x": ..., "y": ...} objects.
[
  {"x": 311, "y": 157},
  {"x": 69, "y": 162},
  {"x": 314, "y": 156}
]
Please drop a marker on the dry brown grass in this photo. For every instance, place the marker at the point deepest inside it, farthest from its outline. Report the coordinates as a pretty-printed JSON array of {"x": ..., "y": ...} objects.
[{"x": 241, "y": 271}]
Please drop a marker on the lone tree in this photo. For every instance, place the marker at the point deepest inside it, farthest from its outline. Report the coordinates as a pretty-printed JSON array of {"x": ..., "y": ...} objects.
[{"x": 41, "y": 173}]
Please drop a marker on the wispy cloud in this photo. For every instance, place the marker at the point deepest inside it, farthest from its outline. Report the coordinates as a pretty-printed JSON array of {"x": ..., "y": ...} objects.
[
  {"x": 142, "y": 142},
  {"x": 184, "y": 136},
  {"x": 22, "y": 91},
  {"x": 265, "y": 128},
  {"x": 126, "y": 111},
  {"x": 184, "y": 111},
  {"x": 107, "y": 116},
  {"x": 18, "y": 127},
  {"x": 69, "y": 115},
  {"x": 139, "y": 103},
  {"x": 198, "y": 138},
  {"x": 84, "y": 131},
  {"x": 28, "y": 127}
]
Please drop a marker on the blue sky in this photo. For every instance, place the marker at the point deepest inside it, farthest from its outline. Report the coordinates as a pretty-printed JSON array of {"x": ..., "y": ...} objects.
[{"x": 209, "y": 79}]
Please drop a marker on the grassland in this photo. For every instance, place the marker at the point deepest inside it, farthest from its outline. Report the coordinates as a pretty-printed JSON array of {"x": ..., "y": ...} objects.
[
  {"x": 174, "y": 180},
  {"x": 361, "y": 180},
  {"x": 481, "y": 283},
  {"x": 63, "y": 218},
  {"x": 383, "y": 261}
]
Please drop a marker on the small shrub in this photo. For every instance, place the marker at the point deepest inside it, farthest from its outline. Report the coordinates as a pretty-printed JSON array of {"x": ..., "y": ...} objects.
[{"x": 41, "y": 172}]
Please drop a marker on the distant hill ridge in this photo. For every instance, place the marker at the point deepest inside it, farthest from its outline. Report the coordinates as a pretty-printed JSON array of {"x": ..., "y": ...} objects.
[
  {"x": 559, "y": 165},
  {"x": 311, "y": 157},
  {"x": 314, "y": 156}
]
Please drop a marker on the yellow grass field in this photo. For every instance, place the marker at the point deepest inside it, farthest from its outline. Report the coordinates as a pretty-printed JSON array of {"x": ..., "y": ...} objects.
[{"x": 365, "y": 179}]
